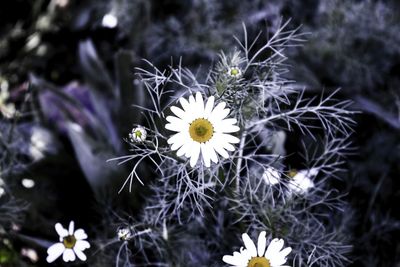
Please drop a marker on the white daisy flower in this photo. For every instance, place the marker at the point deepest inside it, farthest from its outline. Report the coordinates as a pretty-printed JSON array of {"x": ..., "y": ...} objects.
[
  {"x": 202, "y": 128},
  {"x": 260, "y": 256},
  {"x": 234, "y": 72},
  {"x": 271, "y": 176},
  {"x": 301, "y": 181},
  {"x": 138, "y": 134},
  {"x": 71, "y": 243}
]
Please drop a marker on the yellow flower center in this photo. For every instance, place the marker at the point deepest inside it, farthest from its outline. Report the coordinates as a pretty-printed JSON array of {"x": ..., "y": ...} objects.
[
  {"x": 201, "y": 130},
  {"x": 69, "y": 241},
  {"x": 258, "y": 262},
  {"x": 292, "y": 173},
  {"x": 234, "y": 72},
  {"x": 138, "y": 134}
]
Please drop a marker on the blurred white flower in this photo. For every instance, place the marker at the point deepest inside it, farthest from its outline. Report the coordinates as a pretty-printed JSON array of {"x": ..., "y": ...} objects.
[
  {"x": 202, "y": 128},
  {"x": 2, "y": 190},
  {"x": 7, "y": 109},
  {"x": 124, "y": 233},
  {"x": 33, "y": 41},
  {"x": 28, "y": 183},
  {"x": 61, "y": 3},
  {"x": 138, "y": 134},
  {"x": 39, "y": 141},
  {"x": 109, "y": 21},
  {"x": 271, "y": 176},
  {"x": 30, "y": 254},
  {"x": 301, "y": 181},
  {"x": 71, "y": 243},
  {"x": 260, "y": 256},
  {"x": 234, "y": 72}
]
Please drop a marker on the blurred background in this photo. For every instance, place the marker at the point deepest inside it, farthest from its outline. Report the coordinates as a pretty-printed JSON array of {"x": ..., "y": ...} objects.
[{"x": 68, "y": 85}]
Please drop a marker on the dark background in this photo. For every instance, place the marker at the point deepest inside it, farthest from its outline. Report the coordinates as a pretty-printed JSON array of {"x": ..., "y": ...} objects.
[{"x": 62, "y": 65}]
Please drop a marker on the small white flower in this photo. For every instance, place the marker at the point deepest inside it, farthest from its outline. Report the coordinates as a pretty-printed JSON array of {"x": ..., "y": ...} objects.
[
  {"x": 260, "y": 256},
  {"x": 109, "y": 21},
  {"x": 138, "y": 134},
  {"x": 39, "y": 143},
  {"x": 234, "y": 72},
  {"x": 301, "y": 181},
  {"x": 202, "y": 128},
  {"x": 124, "y": 233},
  {"x": 271, "y": 176},
  {"x": 71, "y": 243},
  {"x": 28, "y": 183}
]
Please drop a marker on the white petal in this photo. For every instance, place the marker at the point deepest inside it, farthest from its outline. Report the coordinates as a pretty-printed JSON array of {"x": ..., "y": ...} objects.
[
  {"x": 82, "y": 245},
  {"x": 301, "y": 183},
  {"x": 245, "y": 255},
  {"x": 228, "y": 147},
  {"x": 230, "y": 122},
  {"x": 226, "y": 128},
  {"x": 176, "y": 121},
  {"x": 274, "y": 247},
  {"x": 178, "y": 140},
  {"x": 313, "y": 172},
  {"x": 205, "y": 154},
  {"x": 179, "y": 113},
  {"x": 192, "y": 103},
  {"x": 238, "y": 259},
  {"x": 218, "y": 109},
  {"x": 176, "y": 127},
  {"x": 249, "y": 245},
  {"x": 184, "y": 103},
  {"x": 230, "y": 138},
  {"x": 54, "y": 252},
  {"x": 209, "y": 106},
  {"x": 199, "y": 103},
  {"x": 68, "y": 255},
  {"x": 217, "y": 116},
  {"x": 185, "y": 149},
  {"x": 261, "y": 244},
  {"x": 271, "y": 176},
  {"x": 219, "y": 148},
  {"x": 211, "y": 150},
  {"x": 71, "y": 228},
  {"x": 188, "y": 152},
  {"x": 80, "y": 254},
  {"x": 80, "y": 234},
  {"x": 224, "y": 140},
  {"x": 177, "y": 144},
  {"x": 232, "y": 260},
  {"x": 61, "y": 231},
  {"x": 194, "y": 155},
  {"x": 285, "y": 252},
  {"x": 175, "y": 138}
]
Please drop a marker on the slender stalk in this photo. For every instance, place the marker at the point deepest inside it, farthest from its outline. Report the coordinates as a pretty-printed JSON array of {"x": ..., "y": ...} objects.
[{"x": 240, "y": 160}]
